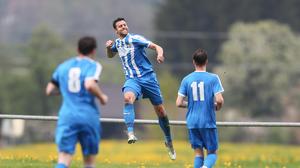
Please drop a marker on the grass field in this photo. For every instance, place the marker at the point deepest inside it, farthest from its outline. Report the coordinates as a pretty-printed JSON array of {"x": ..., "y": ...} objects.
[{"x": 148, "y": 154}]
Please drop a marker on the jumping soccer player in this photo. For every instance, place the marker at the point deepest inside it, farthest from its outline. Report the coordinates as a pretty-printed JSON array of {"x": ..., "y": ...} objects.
[
  {"x": 140, "y": 78},
  {"x": 76, "y": 80},
  {"x": 203, "y": 92}
]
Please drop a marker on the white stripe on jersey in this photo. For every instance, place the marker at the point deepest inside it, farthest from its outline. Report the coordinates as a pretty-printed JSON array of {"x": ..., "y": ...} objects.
[
  {"x": 138, "y": 72},
  {"x": 98, "y": 70},
  {"x": 181, "y": 94},
  {"x": 222, "y": 89},
  {"x": 127, "y": 65},
  {"x": 126, "y": 73},
  {"x": 118, "y": 45}
]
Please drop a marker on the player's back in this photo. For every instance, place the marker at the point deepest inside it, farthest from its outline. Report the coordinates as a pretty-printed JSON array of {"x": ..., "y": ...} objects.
[
  {"x": 78, "y": 103},
  {"x": 200, "y": 90}
]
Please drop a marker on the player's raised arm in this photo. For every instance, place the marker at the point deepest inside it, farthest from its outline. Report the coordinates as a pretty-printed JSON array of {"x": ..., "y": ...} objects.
[
  {"x": 219, "y": 101},
  {"x": 159, "y": 51},
  {"x": 52, "y": 89},
  {"x": 109, "y": 51}
]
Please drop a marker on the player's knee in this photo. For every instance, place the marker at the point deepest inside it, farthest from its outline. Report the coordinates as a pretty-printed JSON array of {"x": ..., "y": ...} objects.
[
  {"x": 199, "y": 152},
  {"x": 128, "y": 98},
  {"x": 160, "y": 111}
]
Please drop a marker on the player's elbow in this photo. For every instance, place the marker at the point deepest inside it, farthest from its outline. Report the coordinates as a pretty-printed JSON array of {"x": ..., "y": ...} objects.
[
  {"x": 89, "y": 86},
  {"x": 110, "y": 54},
  {"x": 49, "y": 89},
  {"x": 48, "y": 93},
  {"x": 179, "y": 102}
]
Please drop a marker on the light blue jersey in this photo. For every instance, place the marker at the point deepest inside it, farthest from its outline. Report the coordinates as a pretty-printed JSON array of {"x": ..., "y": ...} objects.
[
  {"x": 78, "y": 116},
  {"x": 200, "y": 89},
  {"x": 78, "y": 103},
  {"x": 132, "y": 52}
]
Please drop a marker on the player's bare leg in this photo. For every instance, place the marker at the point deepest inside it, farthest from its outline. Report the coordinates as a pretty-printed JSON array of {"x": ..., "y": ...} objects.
[
  {"x": 64, "y": 160},
  {"x": 89, "y": 161}
]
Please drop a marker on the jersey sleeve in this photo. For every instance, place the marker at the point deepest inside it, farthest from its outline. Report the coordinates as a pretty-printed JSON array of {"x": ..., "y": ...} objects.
[
  {"x": 141, "y": 41},
  {"x": 217, "y": 86},
  {"x": 114, "y": 47},
  {"x": 94, "y": 72},
  {"x": 183, "y": 88}
]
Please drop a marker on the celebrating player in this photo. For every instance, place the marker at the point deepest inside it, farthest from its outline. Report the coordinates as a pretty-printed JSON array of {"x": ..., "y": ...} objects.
[
  {"x": 76, "y": 80},
  {"x": 140, "y": 78},
  {"x": 203, "y": 92}
]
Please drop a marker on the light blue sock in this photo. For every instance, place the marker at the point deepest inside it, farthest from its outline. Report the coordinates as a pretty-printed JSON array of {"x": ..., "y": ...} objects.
[
  {"x": 198, "y": 161},
  {"x": 129, "y": 116},
  {"x": 165, "y": 126},
  {"x": 210, "y": 160},
  {"x": 60, "y": 165}
]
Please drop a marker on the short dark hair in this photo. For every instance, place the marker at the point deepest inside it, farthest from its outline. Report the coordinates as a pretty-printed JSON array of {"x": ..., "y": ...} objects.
[
  {"x": 117, "y": 20},
  {"x": 86, "y": 45},
  {"x": 200, "y": 57}
]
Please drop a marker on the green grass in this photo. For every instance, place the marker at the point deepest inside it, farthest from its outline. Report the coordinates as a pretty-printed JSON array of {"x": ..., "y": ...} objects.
[
  {"x": 148, "y": 154},
  {"x": 23, "y": 163}
]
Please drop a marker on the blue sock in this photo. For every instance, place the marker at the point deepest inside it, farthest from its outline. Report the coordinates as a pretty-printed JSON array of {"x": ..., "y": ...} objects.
[
  {"x": 210, "y": 160},
  {"x": 165, "y": 126},
  {"x": 60, "y": 165},
  {"x": 198, "y": 161},
  {"x": 129, "y": 116}
]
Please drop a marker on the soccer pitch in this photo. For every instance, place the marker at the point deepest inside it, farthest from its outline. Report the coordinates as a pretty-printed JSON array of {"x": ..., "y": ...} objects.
[{"x": 148, "y": 154}]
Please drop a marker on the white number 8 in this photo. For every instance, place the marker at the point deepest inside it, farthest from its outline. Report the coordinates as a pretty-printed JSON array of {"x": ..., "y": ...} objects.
[{"x": 74, "y": 80}]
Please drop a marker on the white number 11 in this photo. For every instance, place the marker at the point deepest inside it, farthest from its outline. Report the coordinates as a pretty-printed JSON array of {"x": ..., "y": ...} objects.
[{"x": 195, "y": 91}]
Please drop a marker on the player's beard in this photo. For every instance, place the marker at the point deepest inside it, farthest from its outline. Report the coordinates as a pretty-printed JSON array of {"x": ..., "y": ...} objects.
[{"x": 123, "y": 33}]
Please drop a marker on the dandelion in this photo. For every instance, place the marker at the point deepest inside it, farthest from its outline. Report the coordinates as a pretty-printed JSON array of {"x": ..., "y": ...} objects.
[{"x": 188, "y": 166}]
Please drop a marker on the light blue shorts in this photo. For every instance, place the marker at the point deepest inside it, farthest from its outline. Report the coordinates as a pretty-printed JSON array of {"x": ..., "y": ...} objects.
[
  {"x": 146, "y": 87},
  {"x": 67, "y": 136}
]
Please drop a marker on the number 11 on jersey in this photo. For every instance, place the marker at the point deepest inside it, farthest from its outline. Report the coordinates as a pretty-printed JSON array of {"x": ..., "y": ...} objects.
[{"x": 195, "y": 87}]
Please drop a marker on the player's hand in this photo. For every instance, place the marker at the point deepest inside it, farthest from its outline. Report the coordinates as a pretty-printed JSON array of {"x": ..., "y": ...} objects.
[
  {"x": 160, "y": 59},
  {"x": 109, "y": 44},
  {"x": 216, "y": 107},
  {"x": 103, "y": 99}
]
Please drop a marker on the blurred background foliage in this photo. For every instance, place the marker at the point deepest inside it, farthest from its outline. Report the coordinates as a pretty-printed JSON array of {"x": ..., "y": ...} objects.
[
  {"x": 259, "y": 67},
  {"x": 253, "y": 46}
]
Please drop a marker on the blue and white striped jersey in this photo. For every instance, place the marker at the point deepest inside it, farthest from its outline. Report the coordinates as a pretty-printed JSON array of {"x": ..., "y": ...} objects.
[
  {"x": 132, "y": 52},
  {"x": 200, "y": 89},
  {"x": 78, "y": 103}
]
